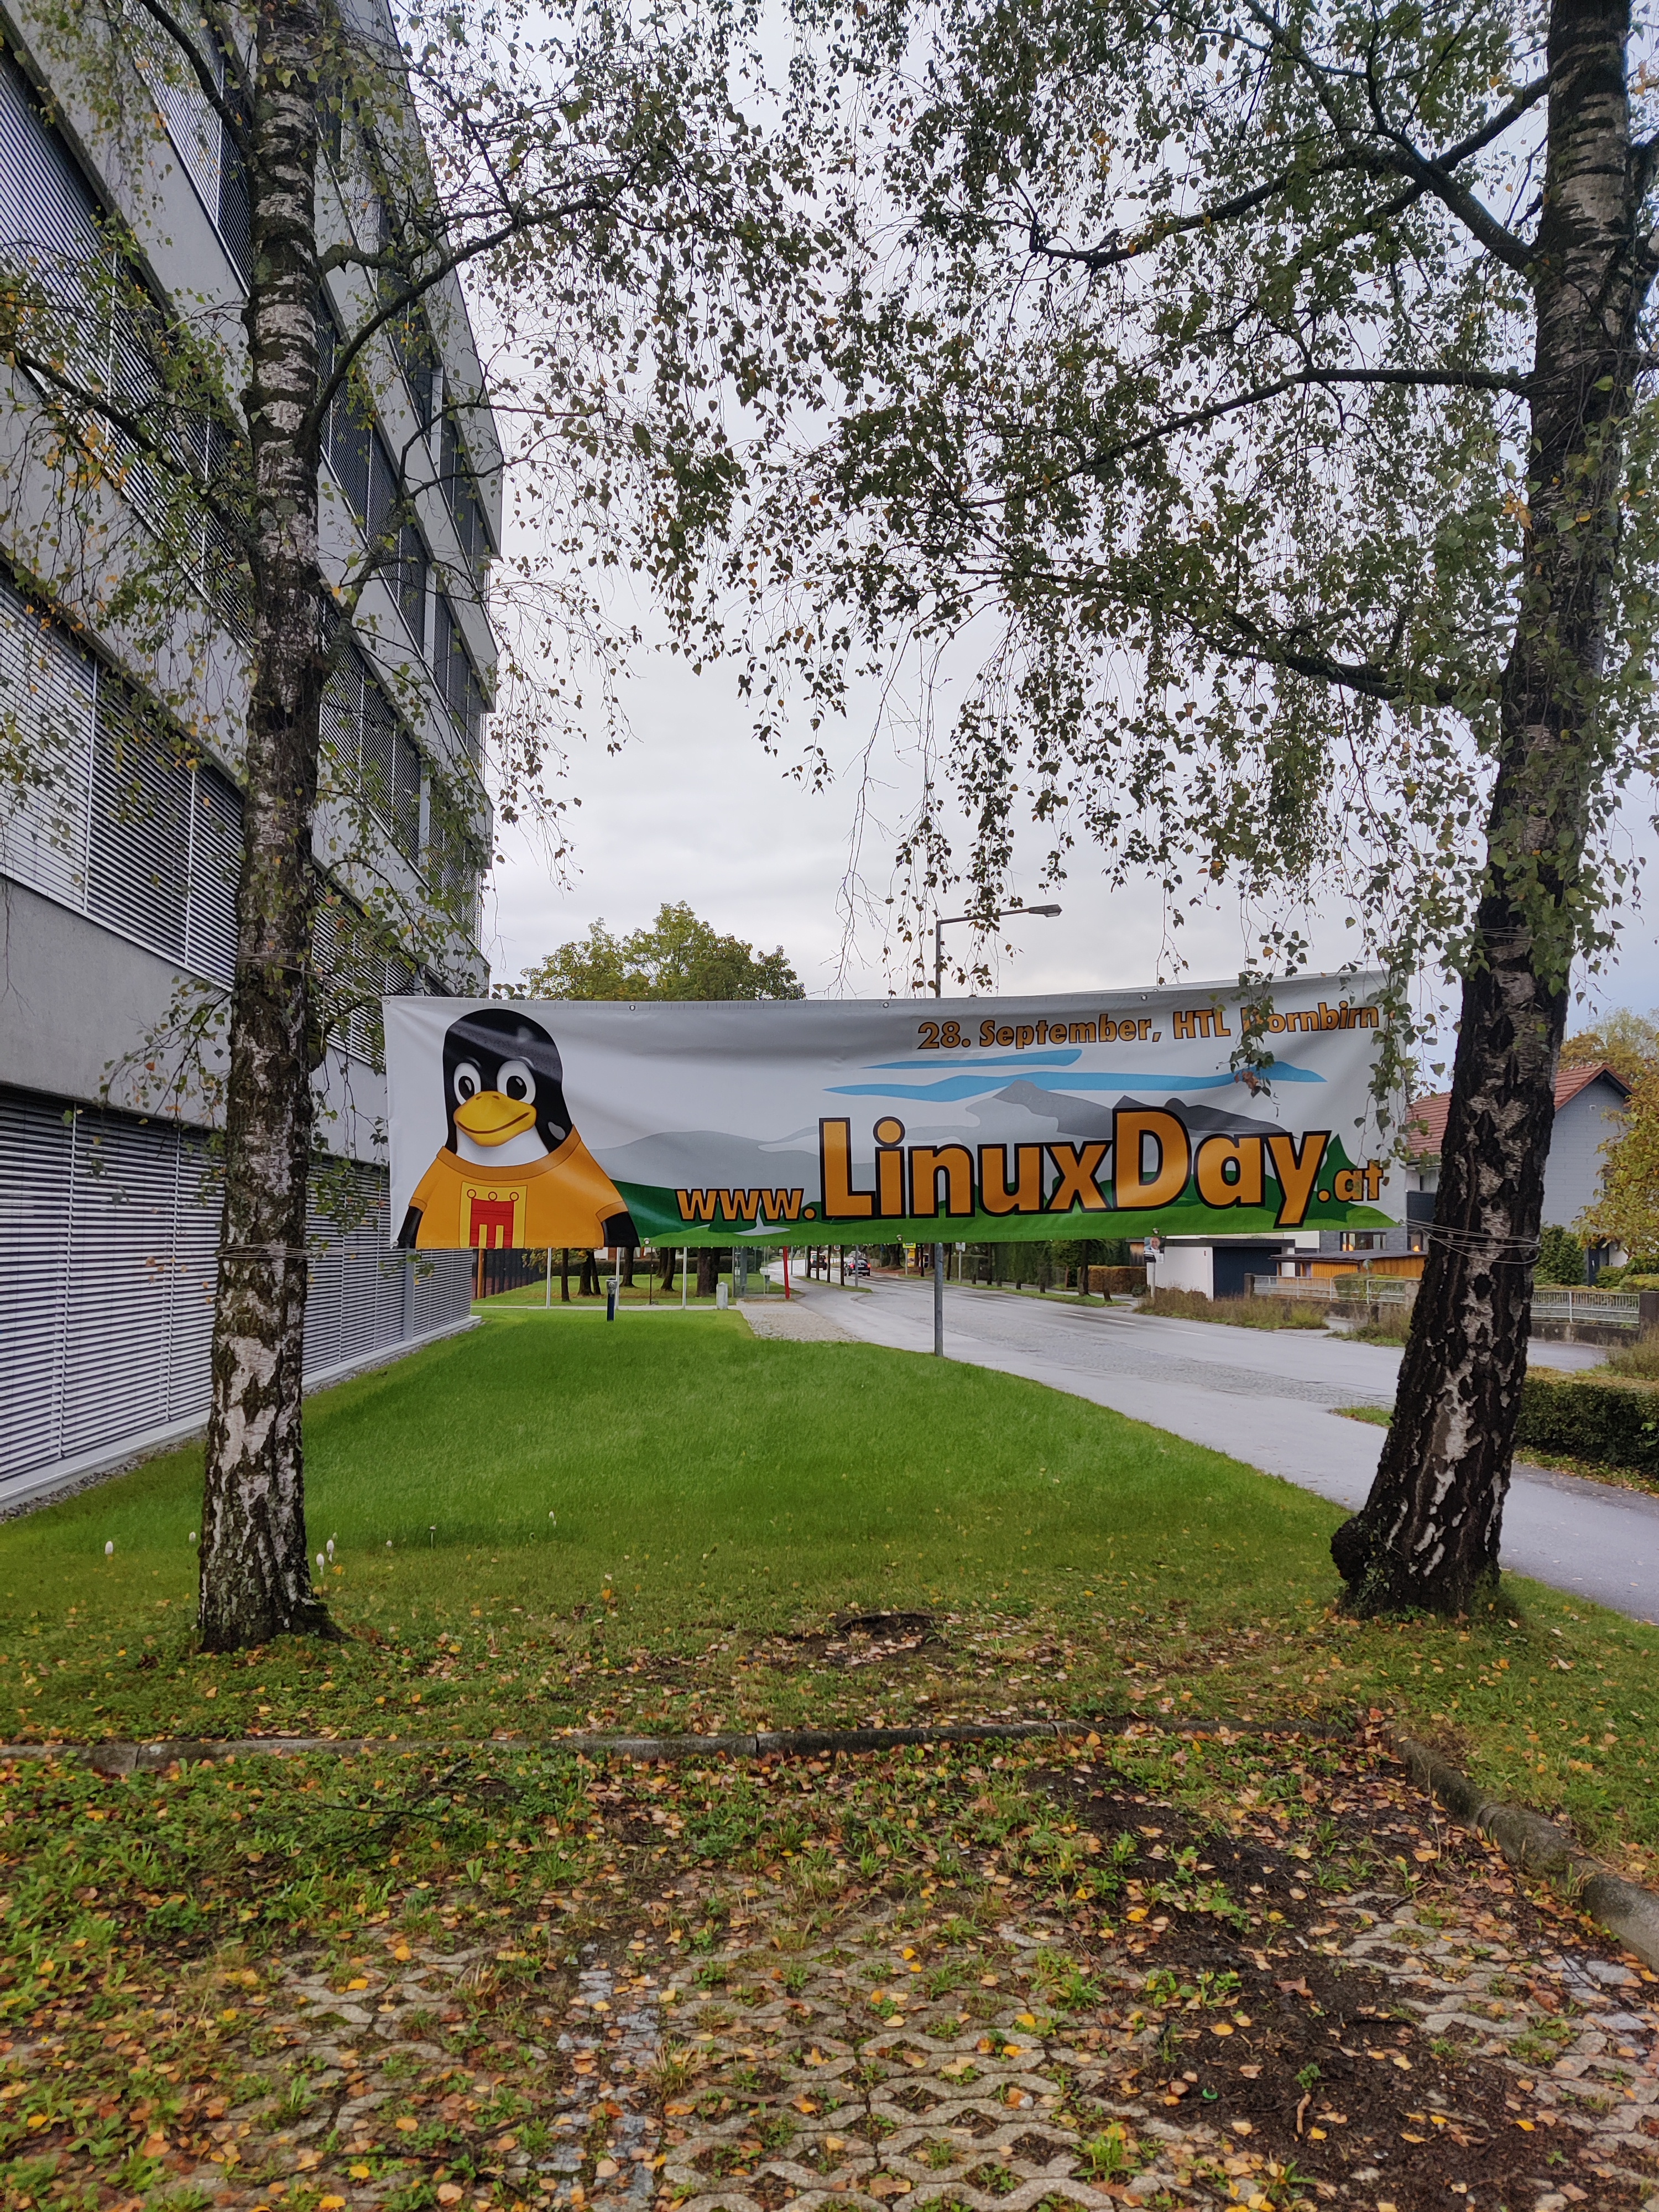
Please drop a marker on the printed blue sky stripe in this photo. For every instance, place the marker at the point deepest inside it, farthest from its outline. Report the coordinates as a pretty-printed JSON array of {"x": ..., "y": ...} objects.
[{"x": 973, "y": 1086}]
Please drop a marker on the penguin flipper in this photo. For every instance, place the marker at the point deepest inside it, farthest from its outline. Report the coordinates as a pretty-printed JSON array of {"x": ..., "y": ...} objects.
[
  {"x": 409, "y": 1231},
  {"x": 618, "y": 1229}
]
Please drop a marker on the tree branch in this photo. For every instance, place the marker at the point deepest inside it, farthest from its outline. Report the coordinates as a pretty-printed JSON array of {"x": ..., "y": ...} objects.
[
  {"x": 416, "y": 288},
  {"x": 207, "y": 78},
  {"x": 149, "y": 444},
  {"x": 1450, "y": 379},
  {"x": 1399, "y": 154},
  {"x": 1115, "y": 250}
]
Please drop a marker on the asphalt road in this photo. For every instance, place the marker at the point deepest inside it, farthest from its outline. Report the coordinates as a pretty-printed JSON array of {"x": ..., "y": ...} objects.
[{"x": 1266, "y": 1396}]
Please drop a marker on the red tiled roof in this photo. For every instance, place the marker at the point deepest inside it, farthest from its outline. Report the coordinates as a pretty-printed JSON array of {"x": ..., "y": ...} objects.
[
  {"x": 1425, "y": 1123},
  {"x": 1570, "y": 1081}
]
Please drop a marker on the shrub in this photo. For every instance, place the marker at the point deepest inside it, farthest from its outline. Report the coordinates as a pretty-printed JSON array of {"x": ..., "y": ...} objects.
[
  {"x": 1389, "y": 1327},
  {"x": 1607, "y": 1424},
  {"x": 1242, "y": 1312},
  {"x": 1641, "y": 1357},
  {"x": 1560, "y": 1258}
]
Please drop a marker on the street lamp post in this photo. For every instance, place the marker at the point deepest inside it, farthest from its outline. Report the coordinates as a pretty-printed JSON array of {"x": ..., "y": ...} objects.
[
  {"x": 944, "y": 922},
  {"x": 949, "y": 922}
]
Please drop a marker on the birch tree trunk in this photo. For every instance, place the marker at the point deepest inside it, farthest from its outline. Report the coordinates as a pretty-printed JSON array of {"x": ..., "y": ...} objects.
[
  {"x": 255, "y": 1575},
  {"x": 1428, "y": 1535}
]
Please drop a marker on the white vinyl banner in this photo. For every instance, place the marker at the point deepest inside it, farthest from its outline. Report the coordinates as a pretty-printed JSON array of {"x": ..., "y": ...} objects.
[{"x": 531, "y": 1123}]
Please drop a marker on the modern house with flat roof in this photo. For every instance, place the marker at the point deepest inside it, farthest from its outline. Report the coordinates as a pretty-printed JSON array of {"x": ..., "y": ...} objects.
[{"x": 119, "y": 850}]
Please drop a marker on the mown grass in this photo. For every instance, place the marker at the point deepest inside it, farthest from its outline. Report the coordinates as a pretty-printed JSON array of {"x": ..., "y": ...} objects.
[{"x": 540, "y": 1526}]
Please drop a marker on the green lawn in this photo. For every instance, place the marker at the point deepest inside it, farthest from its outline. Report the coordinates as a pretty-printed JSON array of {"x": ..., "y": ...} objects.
[{"x": 547, "y": 1524}]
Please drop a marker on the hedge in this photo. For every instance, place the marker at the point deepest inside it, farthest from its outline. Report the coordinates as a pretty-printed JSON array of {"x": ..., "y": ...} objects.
[{"x": 1608, "y": 1424}]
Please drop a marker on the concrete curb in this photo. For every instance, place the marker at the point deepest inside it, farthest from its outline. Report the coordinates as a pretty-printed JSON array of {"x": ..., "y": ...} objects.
[
  {"x": 1538, "y": 1846},
  {"x": 155, "y": 1758}
]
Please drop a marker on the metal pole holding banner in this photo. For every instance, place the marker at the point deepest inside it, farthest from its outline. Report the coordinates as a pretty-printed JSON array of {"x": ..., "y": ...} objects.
[
  {"x": 548, "y": 1300},
  {"x": 939, "y": 1302}
]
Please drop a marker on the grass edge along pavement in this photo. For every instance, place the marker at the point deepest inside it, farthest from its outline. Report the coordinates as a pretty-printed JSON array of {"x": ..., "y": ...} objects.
[
  {"x": 1166, "y": 1971},
  {"x": 1063, "y": 1578},
  {"x": 1528, "y": 1454},
  {"x": 1626, "y": 1909}
]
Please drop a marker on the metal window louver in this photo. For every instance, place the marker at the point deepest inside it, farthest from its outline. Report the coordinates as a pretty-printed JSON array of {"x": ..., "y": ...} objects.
[
  {"x": 48, "y": 694},
  {"x": 102, "y": 810},
  {"x": 138, "y": 857},
  {"x": 108, "y": 1236}
]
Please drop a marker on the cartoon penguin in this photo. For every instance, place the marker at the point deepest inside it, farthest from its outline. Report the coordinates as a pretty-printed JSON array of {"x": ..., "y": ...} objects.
[{"x": 515, "y": 1172}]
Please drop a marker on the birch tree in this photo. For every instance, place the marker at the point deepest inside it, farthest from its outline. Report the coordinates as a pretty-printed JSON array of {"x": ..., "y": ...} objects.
[
  {"x": 620, "y": 231},
  {"x": 1258, "y": 401}
]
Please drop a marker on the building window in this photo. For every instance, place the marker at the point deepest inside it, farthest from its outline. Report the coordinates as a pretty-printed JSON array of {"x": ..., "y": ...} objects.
[
  {"x": 1417, "y": 1240},
  {"x": 372, "y": 753},
  {"x": 1358, "y": 1240},
  {"x": 411, "y": 340},
  {"x": 410, "y": 571},
  {"x": 211, "y": 158},
  {"x": 126, "y": 825},
  {"x": 458, "y": 679},
  {"x": 460, "y": 490}
]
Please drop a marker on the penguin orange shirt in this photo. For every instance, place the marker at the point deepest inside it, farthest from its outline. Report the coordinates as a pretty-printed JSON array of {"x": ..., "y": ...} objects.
[{"x": 565, "y": 1198}]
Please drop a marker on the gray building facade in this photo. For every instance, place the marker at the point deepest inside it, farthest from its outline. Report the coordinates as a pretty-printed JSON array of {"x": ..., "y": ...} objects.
[{"x": 119, "y": 852}]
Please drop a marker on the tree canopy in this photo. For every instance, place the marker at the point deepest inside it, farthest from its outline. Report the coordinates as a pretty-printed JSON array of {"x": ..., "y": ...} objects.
[
  {"x": 679, "y": 957},
  {"x": 1621, "y": 1040},
  {"x": 1246, "y": 416},
  {"x": 1187, "y": 372},
  {"x": 260, "y": 482}
]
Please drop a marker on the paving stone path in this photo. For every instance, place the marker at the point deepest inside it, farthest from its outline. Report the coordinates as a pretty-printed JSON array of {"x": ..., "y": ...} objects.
[{"x": 711, "y": 2045}]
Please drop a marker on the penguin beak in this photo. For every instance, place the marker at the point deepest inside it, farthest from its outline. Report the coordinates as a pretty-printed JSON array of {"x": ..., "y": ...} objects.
[{"x": 491, "y": 1118}]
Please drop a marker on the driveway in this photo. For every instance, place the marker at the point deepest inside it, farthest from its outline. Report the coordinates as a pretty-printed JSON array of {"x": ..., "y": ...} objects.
[{"x": 1266, "y": 1396}]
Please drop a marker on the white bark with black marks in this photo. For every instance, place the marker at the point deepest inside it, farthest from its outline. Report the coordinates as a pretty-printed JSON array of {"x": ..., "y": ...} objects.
[
  {"x": 255, "y": 1573},
  {"x": 1429, "y": 1533}
]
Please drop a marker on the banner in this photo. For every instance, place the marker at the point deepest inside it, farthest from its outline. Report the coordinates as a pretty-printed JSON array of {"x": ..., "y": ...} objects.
[{"x": 525, "y": 1122}]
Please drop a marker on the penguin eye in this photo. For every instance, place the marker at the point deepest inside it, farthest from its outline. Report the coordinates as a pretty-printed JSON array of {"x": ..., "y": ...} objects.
[
  {"x": 468, "y": 1083},
  {"x": 516, "y": 1080}
]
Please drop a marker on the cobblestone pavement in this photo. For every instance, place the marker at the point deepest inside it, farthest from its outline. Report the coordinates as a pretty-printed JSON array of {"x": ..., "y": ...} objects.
[{"x": 1241, "y": 2029}]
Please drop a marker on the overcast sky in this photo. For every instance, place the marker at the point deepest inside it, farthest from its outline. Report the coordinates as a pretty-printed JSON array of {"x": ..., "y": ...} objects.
[{"x": 691, "y": 808}]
